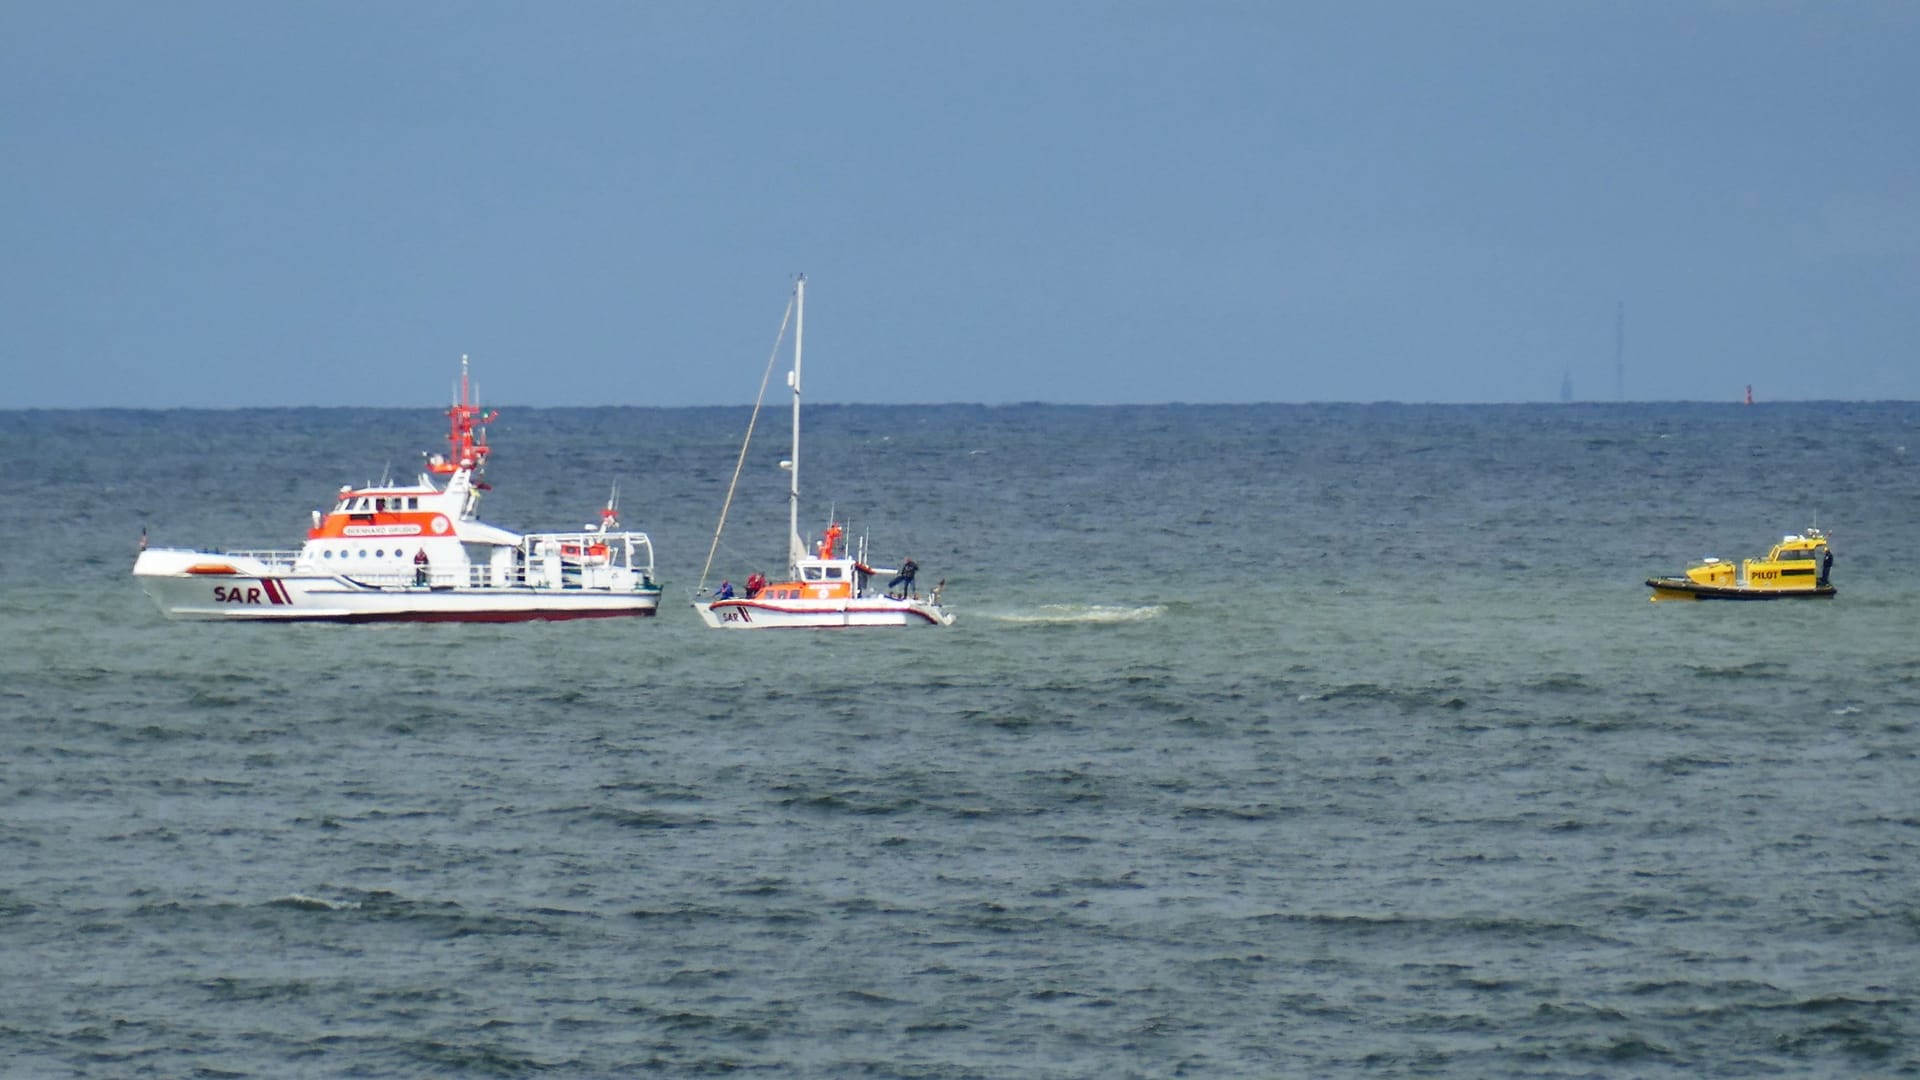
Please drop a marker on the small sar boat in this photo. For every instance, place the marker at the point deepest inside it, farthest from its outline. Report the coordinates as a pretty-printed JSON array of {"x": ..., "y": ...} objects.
[
  {"x": 1797, "y": 567},
  {"x": 827, "y": 587},
  {"x": 416, "y": 553}
]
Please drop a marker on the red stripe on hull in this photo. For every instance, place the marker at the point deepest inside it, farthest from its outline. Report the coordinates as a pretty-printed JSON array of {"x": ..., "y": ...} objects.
[{"x": 443, "y": 616}]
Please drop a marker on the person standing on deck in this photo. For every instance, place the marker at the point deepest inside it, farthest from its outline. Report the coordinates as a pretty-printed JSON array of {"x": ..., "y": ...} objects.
[{"x": 902, "y": 582}]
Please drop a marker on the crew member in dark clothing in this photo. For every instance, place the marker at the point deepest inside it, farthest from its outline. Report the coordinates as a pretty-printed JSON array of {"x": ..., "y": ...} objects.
[
  {"x": 420, "y": 567},
  {"x": 902, "y": 584},
  {"x": 1826, "y": 564}
]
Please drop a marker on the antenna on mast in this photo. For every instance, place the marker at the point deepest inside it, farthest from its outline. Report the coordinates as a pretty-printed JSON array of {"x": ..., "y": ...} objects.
[{"x": 466, "y": 432}]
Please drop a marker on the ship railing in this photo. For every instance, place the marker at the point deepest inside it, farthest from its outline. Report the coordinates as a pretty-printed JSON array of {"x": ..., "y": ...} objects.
[
  {"x": 521, "y": 574},
  {"x": 475, "y": 576},
  {"x": 627, "y": 550},
  {"x": 588, "y": 559}
]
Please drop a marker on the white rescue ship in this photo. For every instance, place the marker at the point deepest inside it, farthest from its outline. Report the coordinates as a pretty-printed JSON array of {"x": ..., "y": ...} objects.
[
  {"x": 827, "y": 587},
  {"x": 416, "y": 553}
]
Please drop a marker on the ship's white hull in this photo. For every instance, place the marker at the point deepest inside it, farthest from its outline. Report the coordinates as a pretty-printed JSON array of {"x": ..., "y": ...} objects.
[
  {"x": 186, "y": 585},
  {"x": 824, "y": 614}
]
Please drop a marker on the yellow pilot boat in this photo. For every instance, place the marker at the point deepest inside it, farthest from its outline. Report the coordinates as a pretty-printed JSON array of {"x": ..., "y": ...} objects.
[{"x": 1797, "y": 566}]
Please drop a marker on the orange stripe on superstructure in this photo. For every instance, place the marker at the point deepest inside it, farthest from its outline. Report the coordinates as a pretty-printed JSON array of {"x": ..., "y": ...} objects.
[
  {"x": 809, "y": 590},
  {"x": 335, "y": 526}
]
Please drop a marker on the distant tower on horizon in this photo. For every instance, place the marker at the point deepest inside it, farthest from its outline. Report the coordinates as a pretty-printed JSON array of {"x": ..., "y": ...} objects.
[
  {"x": 1620, "y": 351},
  {"x": 1566, "y": 387}
]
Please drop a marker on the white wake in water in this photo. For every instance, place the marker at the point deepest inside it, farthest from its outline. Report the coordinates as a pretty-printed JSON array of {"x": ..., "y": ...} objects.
[
  {"x": 1080, "y": 613},
  {"x": 303, "y": 902}
]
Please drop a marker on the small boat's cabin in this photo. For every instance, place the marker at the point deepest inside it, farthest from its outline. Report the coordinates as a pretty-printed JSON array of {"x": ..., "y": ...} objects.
[
  {"x": 1795, "y": 547},
  {"x": 821, "y": 579},
  {"x": 1794, "y": 563}
]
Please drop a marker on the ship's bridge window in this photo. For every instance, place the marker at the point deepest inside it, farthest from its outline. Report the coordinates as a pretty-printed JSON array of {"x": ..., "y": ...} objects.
[
  {"x": 812, "y": 573},
  {"x": 413, "y": 502},
  {"x": 833, "y": 571}
]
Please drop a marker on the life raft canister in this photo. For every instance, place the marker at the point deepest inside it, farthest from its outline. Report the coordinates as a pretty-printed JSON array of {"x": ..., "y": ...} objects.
[{"x": 592, "y": 554}]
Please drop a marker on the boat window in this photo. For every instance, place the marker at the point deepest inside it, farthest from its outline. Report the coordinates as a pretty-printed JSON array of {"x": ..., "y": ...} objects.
[
  {"x": 327, "y": 554},
  {"x": 413, "y": 502},
  {"x": 833, "y": 571},
  {"x": 813, "y": 573},
  {"x": 380, "y": 553}
]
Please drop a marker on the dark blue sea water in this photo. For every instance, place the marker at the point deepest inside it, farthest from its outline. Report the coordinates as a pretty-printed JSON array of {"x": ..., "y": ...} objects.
[{"x": 1270, "y": 741}]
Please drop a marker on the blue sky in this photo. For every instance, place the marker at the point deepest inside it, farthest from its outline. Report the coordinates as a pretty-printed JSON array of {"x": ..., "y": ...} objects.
[{"x": 240, "y": 204}]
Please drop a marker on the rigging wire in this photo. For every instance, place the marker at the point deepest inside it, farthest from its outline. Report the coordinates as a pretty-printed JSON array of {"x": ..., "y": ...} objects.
[{"x": 766, "y": 377}]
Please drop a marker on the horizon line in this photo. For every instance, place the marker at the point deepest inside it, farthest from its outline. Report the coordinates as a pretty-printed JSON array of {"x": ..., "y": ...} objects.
[{"x": 1031, "y": 403}]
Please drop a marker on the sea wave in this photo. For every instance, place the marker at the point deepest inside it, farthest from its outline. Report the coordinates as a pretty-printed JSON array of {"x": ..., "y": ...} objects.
[
  {"x": 303, "y": 902},
  {"x": 1080, "y": 613}
]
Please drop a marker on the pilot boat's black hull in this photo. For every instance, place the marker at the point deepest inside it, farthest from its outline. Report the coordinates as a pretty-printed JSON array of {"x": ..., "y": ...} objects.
[{"x": 1684, "y": 589}]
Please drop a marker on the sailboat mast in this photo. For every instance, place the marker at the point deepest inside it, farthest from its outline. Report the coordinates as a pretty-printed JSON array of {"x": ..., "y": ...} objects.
[{"x": 796, "y": 548}]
